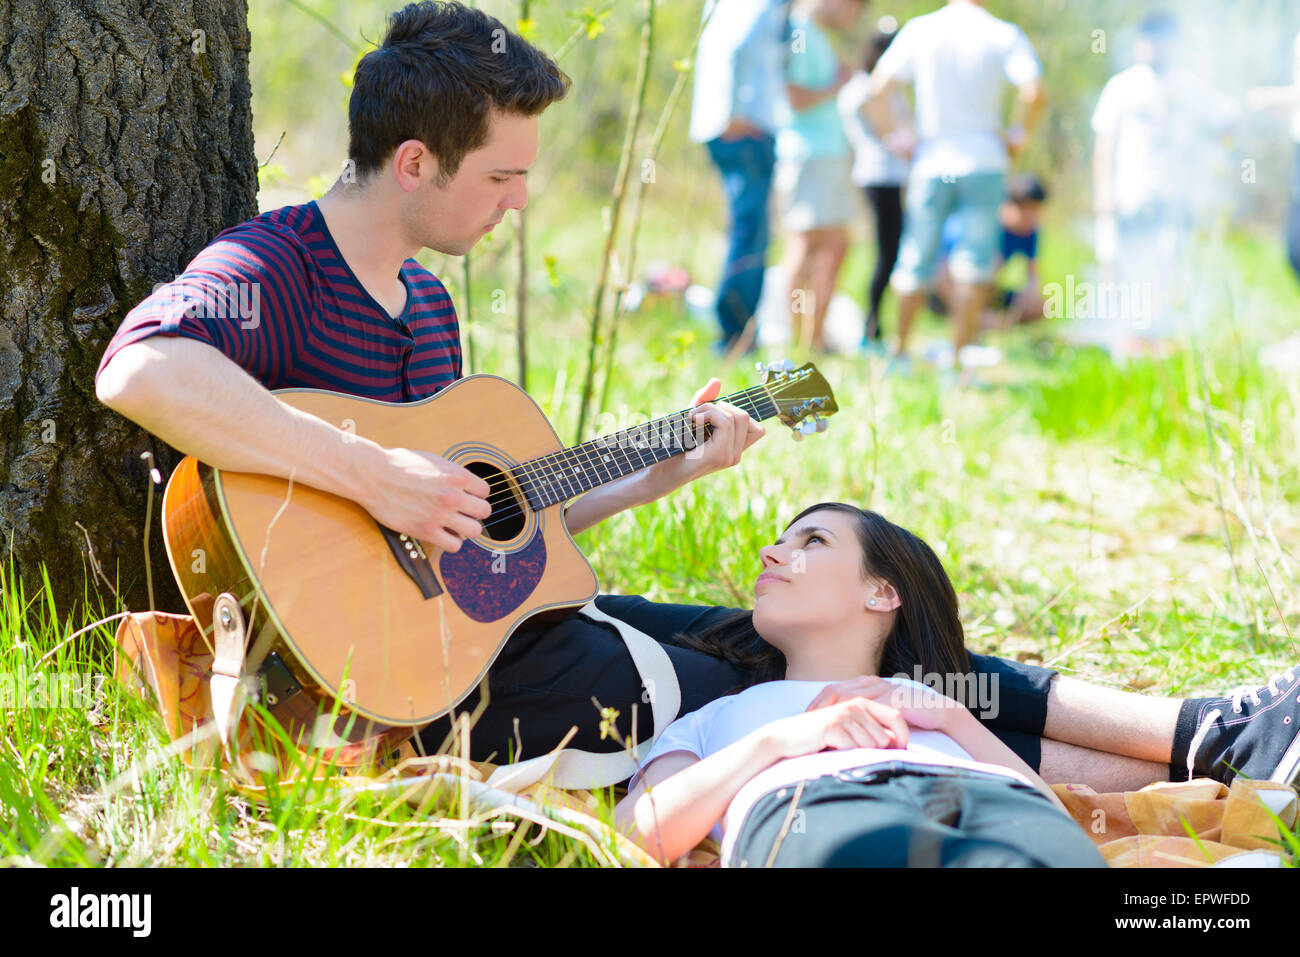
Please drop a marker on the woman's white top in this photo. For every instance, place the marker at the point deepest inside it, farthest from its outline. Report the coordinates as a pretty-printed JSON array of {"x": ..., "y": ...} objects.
[
  {"x": 873, "y": 164},
  {"x": 726, "y": 720}
]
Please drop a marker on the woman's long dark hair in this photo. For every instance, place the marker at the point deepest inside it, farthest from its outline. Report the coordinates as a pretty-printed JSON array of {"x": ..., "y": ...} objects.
[
  {"x": 876, "y": 48},
  {"x": 927, "y": 630}
]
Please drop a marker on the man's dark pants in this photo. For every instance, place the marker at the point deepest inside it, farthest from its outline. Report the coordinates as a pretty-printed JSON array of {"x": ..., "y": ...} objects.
[
  {"x": 746, "y": 166},
  {"x": 545, "y": 680}
]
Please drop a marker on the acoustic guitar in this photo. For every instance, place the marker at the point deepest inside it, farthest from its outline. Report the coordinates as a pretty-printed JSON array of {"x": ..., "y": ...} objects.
[{"x": 341, "y": 613}]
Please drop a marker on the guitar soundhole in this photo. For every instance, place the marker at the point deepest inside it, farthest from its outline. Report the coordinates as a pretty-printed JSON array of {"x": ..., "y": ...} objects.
[{"x": 509, "y": 512}]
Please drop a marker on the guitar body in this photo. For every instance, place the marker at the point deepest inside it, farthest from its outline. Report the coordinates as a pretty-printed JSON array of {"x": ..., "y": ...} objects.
[{"x": 334, "y": 608}]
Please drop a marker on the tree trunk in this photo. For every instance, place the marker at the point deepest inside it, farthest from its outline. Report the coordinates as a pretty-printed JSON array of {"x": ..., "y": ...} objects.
[{"x": 126, "y": 144}]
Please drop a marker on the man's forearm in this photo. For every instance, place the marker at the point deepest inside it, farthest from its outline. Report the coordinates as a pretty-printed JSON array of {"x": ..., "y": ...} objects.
[
  {"x": 805, "y": 98},
  {"x": 197, "y": 400},
  {"x": 600, "y": 503},
  {"x": 1033, "y": 100},
  {"x": 879, "y": 109}
]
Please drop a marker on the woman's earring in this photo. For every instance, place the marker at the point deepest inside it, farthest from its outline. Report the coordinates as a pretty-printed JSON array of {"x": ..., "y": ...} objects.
[{"x": 872, "y": 602}]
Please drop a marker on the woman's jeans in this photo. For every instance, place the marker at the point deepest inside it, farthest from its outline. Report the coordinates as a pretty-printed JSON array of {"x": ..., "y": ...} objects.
[
  {"x": 901, "y": 815},
  {"x": 746, "y": 167}
]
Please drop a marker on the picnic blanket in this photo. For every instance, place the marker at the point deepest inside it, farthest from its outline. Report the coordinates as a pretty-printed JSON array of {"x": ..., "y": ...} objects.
[{"x": 168, "y": 659}]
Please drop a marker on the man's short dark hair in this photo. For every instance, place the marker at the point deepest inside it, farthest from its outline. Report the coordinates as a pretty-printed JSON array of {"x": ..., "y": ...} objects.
[{"x": 441, "y": 69}]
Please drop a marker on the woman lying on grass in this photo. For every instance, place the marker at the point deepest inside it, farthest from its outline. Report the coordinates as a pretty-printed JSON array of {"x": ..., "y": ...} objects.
[{"x": 821, "y": 762}]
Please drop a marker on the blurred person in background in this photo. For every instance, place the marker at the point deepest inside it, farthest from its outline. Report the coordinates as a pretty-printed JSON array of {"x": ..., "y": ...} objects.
[
  {"x": 1287, "y": 98},
  {"x": 813, "y": 162},
  {"x": 738, "y": 90},
  {"x": 1018, "y": 219},
  {"x": 878, "y": 171},
  {"x": 1285, "y": 355},
  {"x": 1158, "y": 127},
  {"x": 1020, "y": 215},
  {"x": 959, "y": 60}
]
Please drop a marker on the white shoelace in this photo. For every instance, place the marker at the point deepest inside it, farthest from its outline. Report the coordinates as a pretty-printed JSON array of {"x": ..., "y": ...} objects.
[{"x": 1253, "y": 692}]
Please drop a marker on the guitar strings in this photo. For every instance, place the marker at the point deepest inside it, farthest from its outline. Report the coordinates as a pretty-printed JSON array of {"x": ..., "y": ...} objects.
[
  {"x": 584, "y": 454},
  {"x": 593, "y": 451},
  {"x": 534, "y": 471},
  {"x": 547, "y": 466}
]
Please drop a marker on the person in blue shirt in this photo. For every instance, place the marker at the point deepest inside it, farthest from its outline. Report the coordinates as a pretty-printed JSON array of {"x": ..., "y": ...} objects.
[
  {"x": 738, "y": 90},
  {"x": 1019, "y": 216}
]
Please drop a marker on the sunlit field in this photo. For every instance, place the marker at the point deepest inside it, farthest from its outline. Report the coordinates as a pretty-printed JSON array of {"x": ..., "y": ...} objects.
[{"x": 1128, "y": 521}]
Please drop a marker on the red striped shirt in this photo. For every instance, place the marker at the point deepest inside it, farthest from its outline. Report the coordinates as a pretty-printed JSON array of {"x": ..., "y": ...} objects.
[{"x": 275, "y": 295}]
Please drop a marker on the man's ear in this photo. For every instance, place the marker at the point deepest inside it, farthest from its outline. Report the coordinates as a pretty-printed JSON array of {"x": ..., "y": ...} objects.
[{"x": 413, "y": 164}]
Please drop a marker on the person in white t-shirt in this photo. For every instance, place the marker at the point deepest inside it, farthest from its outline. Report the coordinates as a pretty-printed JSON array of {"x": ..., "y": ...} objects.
[
  {"x": 827, "y": 764},
  {"x": 959, "y": 61},
  {"x": 1158, "y": 131},
  {"x": 1287, "y": 98},
  {"x": 738, "y": 93},
  {"x": 879, "y": 172}
]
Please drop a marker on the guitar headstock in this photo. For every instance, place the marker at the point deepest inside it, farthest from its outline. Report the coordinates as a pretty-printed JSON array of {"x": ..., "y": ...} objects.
[{"x": 802, "y": 397}]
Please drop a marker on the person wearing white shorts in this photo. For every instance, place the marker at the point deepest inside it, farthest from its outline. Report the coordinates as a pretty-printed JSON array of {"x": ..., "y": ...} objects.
[{"x": 812, "y": 174}]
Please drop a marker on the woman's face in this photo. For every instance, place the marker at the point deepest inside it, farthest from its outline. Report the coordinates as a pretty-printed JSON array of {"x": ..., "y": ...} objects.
[{"x": 811, "y": 577}]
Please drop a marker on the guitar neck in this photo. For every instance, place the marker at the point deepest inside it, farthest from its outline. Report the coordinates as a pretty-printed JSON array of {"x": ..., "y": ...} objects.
[{"x": 562, "y": 475}]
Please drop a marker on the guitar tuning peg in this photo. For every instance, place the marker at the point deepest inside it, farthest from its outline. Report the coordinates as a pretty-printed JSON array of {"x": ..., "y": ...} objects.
[
  {"x": 798, "y": 436},
  {"x": 786, "y": 365},
  {"x": 808, "y": 426},
  {"x": 821, "y": 425},
  {"x": 759, "y": 367}
]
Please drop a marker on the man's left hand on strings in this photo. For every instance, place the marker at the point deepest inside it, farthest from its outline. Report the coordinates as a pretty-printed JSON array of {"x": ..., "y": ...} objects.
[{"x": 734, "y": 431}]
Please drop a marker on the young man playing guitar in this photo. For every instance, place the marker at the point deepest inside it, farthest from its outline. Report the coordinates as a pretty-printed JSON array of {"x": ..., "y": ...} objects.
[{"x": 443, "y": 129}]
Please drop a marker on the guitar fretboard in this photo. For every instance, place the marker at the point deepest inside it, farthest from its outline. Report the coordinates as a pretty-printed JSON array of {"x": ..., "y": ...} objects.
[{"x": 562, "y": 475}]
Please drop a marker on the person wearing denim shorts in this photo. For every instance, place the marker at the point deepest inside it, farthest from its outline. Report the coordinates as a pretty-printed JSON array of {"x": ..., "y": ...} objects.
[{"x": 959, "y": 60}]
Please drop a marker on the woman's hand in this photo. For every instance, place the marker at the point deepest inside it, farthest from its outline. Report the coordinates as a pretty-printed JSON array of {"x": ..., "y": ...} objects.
[
  {"x": 901, "y": 142},
  {"x": 856, "y": 722},
  {"x": 919, "y": 706}
]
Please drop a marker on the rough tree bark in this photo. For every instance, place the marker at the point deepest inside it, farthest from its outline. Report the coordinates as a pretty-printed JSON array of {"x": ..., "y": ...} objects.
[{"x": 126, "y": 144}]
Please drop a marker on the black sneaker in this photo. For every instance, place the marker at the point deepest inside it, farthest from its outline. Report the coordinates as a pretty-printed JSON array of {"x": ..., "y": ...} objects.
[{"x": 1252, "y": 731}]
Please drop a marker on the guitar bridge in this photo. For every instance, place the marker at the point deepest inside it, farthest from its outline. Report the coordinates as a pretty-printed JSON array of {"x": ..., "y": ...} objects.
[{"x": 411, "y": 557}]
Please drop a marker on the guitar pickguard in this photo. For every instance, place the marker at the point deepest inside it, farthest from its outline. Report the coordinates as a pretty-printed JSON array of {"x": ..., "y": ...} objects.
[{"x": 488, "y": 584}]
